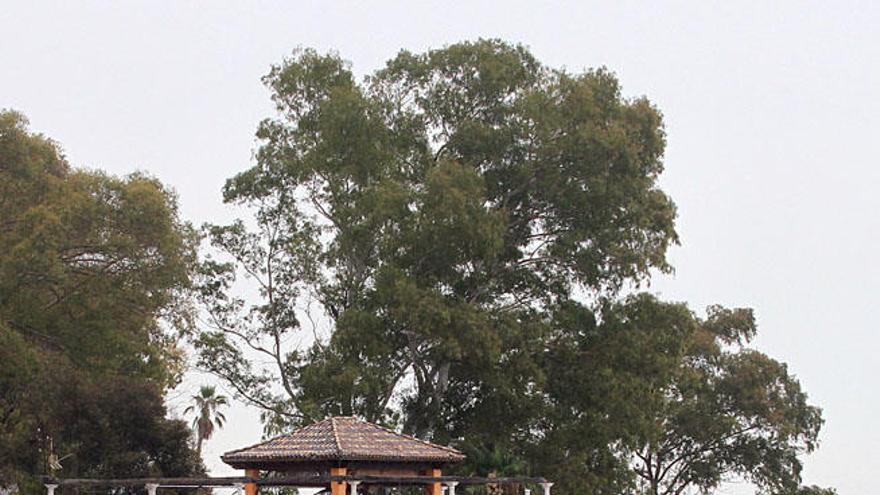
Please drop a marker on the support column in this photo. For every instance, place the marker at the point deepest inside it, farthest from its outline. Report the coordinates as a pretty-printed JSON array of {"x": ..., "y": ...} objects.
[
  {"x": 354, "y": 487},
  {"x": 251, "y": 488},
  {"x": 434, "y": 488},
  {"x": 151, "y": 488},
  {"x": 338, "y": 487},
  {"x": 50, "y": 489},
  {"x": 450, "y": 487},
  {"x": 546, "y": 486}
]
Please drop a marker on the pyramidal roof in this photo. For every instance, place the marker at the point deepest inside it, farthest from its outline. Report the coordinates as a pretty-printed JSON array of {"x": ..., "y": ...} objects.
[{"x": 343, "y": 438}]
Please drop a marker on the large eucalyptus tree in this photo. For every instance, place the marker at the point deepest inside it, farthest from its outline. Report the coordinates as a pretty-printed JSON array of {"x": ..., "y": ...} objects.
[
  {"x": 447, "y": 240},
  {"x": 433, "y": 213}
]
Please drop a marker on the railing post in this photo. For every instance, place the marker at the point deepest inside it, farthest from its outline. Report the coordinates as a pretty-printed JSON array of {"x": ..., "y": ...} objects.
[
  {"x": 450, "y": 487},
  {"x": 546, "y": 486},
  {"x": 151, "y": 488},
  {"x": 50, "y": 489},
  {"x": 354, "y": 487}
]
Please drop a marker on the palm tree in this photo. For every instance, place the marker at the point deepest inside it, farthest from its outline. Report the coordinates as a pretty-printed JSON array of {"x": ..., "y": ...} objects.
[
  {"x": 206, "y": 404},
  {"x": 494, "y": 461}
]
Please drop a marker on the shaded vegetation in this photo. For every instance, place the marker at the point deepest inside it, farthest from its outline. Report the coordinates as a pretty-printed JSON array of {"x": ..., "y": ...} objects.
[{"x": 94, "y": 271}]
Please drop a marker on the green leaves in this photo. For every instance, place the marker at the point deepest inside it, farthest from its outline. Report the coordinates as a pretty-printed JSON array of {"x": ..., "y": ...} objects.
[
  {"x": 94, "y": 290},
  {"x": 90, "y": 262},
  {"x": 674, "y": 397},
  {"x": 729, "y": 410},
  {"x": 433, "y": 235},
  {"x": 443, "y": 206}
]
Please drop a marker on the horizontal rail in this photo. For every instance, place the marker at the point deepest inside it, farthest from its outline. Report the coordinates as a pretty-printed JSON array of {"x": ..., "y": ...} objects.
[{"x": 289, "y": 481}]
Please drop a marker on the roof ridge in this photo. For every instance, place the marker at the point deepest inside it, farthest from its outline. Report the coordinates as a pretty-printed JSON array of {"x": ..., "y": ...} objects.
[
  {"x": 335, "y": 435},
  {"x": 410, "y": 437}
]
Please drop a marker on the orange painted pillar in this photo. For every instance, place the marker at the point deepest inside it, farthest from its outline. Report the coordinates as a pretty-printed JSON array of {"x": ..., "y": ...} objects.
[
  {"x": 251, "y": 488},
  {"x": 338, "y": 487},
  {"x": 434, "y": 488}
]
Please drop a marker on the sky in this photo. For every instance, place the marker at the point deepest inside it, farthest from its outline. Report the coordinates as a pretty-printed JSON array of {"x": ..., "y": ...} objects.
[{"x": 771, "y": 112}]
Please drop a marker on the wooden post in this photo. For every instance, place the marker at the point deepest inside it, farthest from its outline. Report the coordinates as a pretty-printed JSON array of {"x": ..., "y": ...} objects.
[
  {"x": 251, "y": 488},
  {"x": 338, "y": 487},
  {"x": 434, "y": 488}
]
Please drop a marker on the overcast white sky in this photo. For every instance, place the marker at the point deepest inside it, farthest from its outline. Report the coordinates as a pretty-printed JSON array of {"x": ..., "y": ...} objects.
[{"x": 771, "y": 110}]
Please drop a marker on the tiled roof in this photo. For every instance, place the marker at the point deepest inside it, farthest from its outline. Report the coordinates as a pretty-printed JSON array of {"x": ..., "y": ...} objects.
[{"x": 343, "y": 438}]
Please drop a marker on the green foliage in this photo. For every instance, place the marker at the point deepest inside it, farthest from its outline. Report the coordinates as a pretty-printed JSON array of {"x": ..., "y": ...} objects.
[
  {"x": 678, "y": 399},
  {"x": 93, "y": 270},
  {"x": 110, "y": 426},
  {"x": 88, "y": 262},
  {"x": 452, "y": 234},
  {"x": 430, "y": 213}
]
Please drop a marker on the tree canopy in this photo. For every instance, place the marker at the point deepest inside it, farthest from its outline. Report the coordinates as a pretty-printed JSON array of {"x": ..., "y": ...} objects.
[
  {"x": 453, "y": 245},
  {"x": 94, "y": 273},
  {"x": 451, "y": 237},
  {"x": 431, "y": 212},
  {"x": 681, "y": 400}
]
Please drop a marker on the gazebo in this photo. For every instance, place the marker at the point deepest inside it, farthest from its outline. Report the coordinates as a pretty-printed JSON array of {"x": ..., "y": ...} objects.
[
  {"x": 338, "y": 454},
  {"x": 344, "y": 446}
]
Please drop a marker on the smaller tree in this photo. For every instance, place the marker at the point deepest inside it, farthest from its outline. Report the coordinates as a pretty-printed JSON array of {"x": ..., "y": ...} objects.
[
  {"x": 727, "y": 411},
  {"x": 649, "y": 396},
  {"x": 206, "y": 404}
]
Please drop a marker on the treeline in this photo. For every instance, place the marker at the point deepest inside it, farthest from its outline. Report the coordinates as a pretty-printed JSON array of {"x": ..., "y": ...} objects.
[{"x": 467, "y": 222}]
